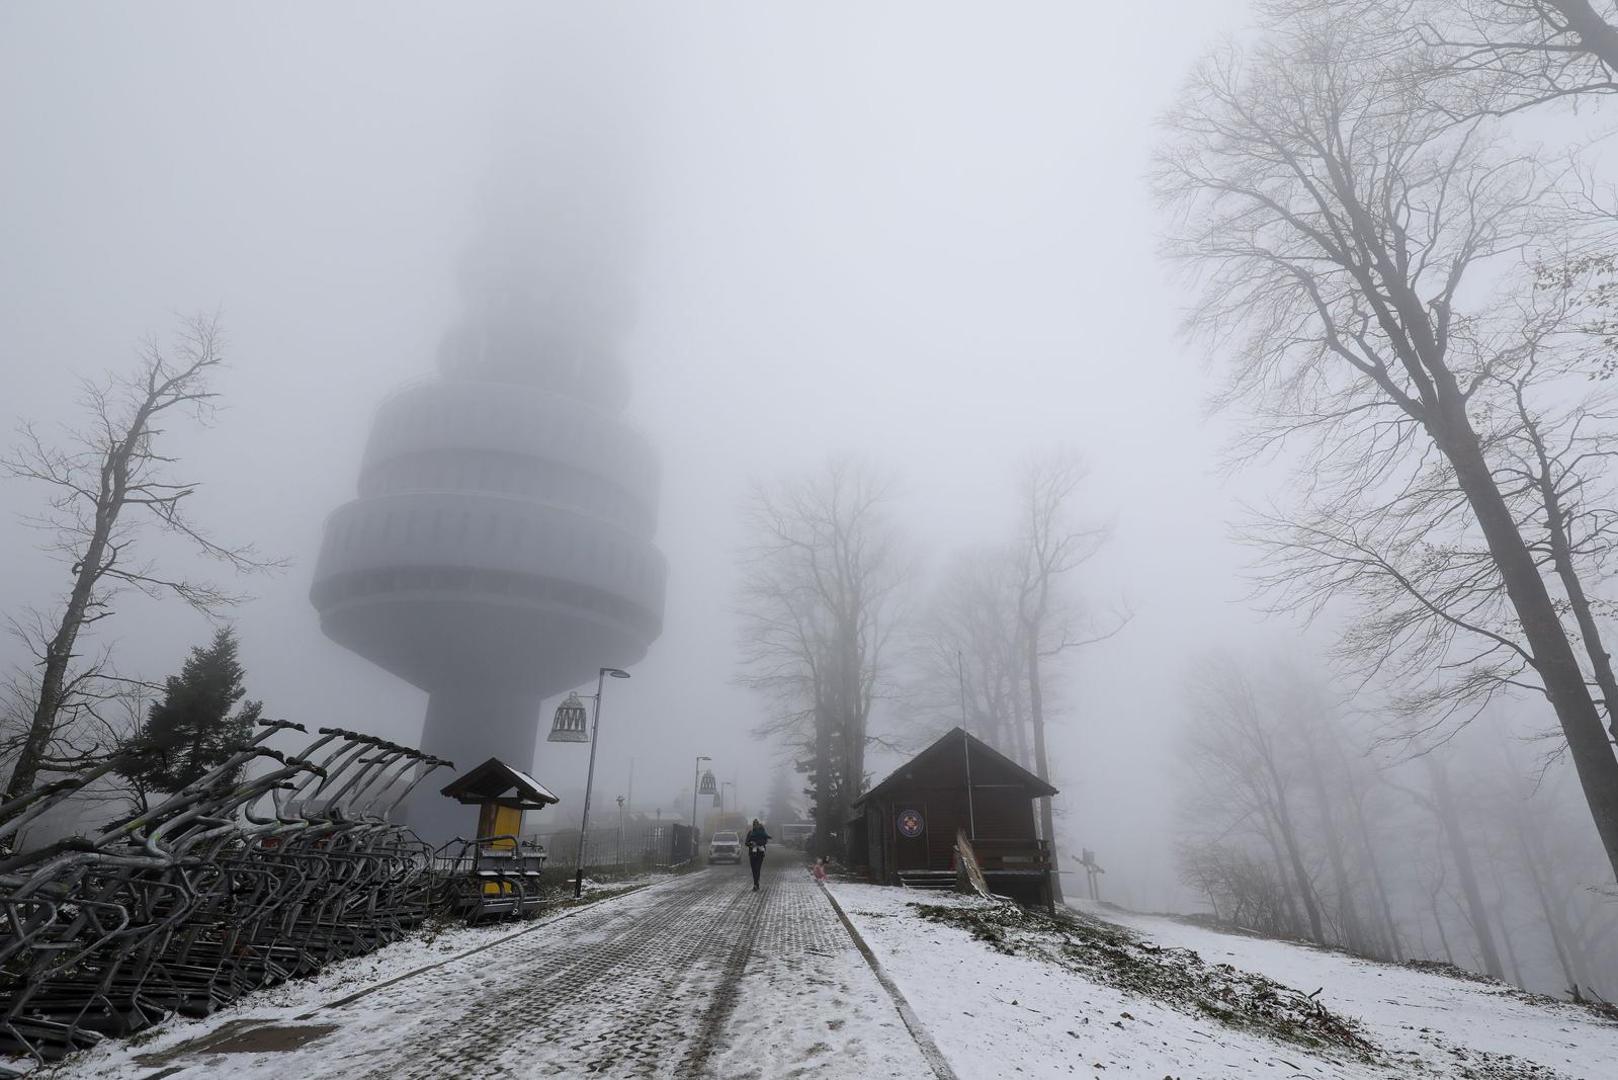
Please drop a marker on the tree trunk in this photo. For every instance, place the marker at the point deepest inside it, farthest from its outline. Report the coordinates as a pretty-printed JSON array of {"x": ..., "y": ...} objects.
[
  {"x": 1579, "y": 603},
  {"x": 1443, "y": 938},
  {"x": 1036, "y": 710},
  {"x": 1353, "y": 935},
  {"x": 1554, "y": 659},
  {"x": 1461, "y": 855},
  {"x": 1596, "y": 35},
  {"x": 1391, "y": 925},
  {"x": 824, "y": 800},
  {"x": 1356, "y": 797},
  {"x": 1282, "y": 877},
  {"x": 1020, "y": 727},
  {"x": 1289, "y": 840},
  {"x": 1567, "y": 956},
  {"x": 59, "y": 652},
  {"x": 1505, "y": 938}
]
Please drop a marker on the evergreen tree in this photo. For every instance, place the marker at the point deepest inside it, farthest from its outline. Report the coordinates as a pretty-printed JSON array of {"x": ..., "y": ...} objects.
[
  {"x": 193, "y": 729},
  {"x": 780, "y": 806}
]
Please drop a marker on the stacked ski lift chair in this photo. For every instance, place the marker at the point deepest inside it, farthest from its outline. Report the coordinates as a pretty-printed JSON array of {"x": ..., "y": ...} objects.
[
  {"x": 89, "y": 917},
  {"x": 201, "y": 899},
  {"x": 259, "y": 933},
  {"x": 370, "y": 879},
  {"x": 37, "y": 891},
  {"x": 178, "y": 964}
]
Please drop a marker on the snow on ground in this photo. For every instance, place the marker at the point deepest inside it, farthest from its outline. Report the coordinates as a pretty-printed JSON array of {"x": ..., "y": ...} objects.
[
  {"x": 807, "y": 1005},
  {"x": 995, "y": 1015},
  {"x": 700, "y": 976},
  {"x": 1441, "y": 1021},
  {"x": 694, "y": 976},
  {"x": 998, "y": 1015}
]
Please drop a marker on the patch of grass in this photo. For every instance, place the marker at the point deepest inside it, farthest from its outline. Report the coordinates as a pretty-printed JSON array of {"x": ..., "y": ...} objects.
[{"x": 1178, "y": 978}]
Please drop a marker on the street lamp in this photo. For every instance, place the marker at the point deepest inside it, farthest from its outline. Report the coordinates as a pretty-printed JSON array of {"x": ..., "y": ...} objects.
[
  {"x": 589, "y": 778},
  {"x": 697, "y": 784}
]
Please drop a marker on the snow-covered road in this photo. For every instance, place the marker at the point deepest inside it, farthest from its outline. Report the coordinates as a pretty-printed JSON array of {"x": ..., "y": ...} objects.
[{"x": 695, "y": 976}]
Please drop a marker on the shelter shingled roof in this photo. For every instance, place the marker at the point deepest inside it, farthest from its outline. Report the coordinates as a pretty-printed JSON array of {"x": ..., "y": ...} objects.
[
  {"x": 980, "y": 751},
  {"x": 495, "y": 781}
]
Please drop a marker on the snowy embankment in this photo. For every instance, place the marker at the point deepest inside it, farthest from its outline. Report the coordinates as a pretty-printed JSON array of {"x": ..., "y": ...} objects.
[
  {"x": 1008, "y": 994},
  {"x": 1447, "y": 1023}
]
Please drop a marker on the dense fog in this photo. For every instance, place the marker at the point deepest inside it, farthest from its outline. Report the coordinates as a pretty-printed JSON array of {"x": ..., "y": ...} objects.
[{"x": 911, "y": 248}]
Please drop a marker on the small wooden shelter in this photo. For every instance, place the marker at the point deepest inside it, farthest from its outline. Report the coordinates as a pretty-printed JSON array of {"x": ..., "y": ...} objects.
[
  {"x": 906, "y": 827},
  {"x": 501, "y": 876},
  {"x": 501, "y": 794}
]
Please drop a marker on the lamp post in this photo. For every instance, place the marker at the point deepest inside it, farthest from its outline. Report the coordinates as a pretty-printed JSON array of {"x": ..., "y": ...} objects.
[
  {"x": 696, "y": 783},
  {"x": 589, "y": 778}
]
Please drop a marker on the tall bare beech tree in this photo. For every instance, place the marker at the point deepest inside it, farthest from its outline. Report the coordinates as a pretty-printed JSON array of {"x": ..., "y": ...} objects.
[
  {"x": 820, "y": 605},
  {"x": 1237, "y": 754},
  {"x": 1050, "y": 546},
  {"x": 1362, "y": 258},
  {"x": 968, "y": 655},
  {"x": 109, "y": 481}
]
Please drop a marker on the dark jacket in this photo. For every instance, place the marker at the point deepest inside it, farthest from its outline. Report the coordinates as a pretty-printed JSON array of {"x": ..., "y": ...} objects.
[{"x": 756, "y": 838}]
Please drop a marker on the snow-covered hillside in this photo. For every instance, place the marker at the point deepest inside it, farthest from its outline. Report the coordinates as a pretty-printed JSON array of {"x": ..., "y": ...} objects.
[{"x": 1021, "y": 997}]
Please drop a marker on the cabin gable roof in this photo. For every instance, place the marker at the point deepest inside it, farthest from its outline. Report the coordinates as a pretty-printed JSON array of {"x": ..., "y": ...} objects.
[{"x": 983, "y": 756}]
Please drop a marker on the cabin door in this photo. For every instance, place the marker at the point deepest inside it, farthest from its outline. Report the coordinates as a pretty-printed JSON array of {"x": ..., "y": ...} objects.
[{"x": 910, "y": 836}]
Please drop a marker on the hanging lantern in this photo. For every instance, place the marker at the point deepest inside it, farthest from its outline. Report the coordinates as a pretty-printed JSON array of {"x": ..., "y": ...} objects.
[
  {"x": 571, "y": 722},
  {"x": 708, "y": 786}
]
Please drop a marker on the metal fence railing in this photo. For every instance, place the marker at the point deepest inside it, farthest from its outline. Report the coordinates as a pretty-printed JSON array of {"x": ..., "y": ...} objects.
[{"x": 636, "y": 845}]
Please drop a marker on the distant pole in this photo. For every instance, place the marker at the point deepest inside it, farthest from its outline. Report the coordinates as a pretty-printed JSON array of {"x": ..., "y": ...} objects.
[
  {"x": 971, "y": 814},
  {"x": 960, "y": 672},
  {"x": 631, "y": 792}
]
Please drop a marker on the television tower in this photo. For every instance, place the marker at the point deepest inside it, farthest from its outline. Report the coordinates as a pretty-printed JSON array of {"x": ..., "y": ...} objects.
[{"x": 500, "y": 550}]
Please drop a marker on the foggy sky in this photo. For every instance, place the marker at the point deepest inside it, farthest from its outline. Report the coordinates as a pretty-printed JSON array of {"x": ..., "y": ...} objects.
[{"x": 918, "y": 233}]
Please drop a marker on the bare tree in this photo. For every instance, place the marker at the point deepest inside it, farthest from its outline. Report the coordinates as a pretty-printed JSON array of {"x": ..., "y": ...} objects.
[
  {"x": 1049, "y": 547},
  {"x": 1240, "y": 767},
  {"x": 1242, "y": 890},
  {"x": 109, "y": 481},
  {"x": 967, "y": 653},
  {"x": 1353, "y": 245},
  {"x": 1309, "y": 722},
  {"x": 1442, "y": 803},
  {"x": 820, "y": 604}
]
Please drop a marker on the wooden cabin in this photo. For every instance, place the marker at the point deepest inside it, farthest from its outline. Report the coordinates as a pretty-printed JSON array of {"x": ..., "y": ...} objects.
[
  {"x": 501, "y": 877},
  {"x": 905, "y": 828}
]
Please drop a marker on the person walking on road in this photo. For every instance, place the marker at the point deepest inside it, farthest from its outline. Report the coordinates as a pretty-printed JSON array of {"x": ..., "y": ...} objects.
[{"x": 756, "y": 839}]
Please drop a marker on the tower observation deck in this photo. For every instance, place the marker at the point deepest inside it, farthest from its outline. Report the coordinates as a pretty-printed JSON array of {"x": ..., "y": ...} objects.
[{"x": 500, "y": 548}]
